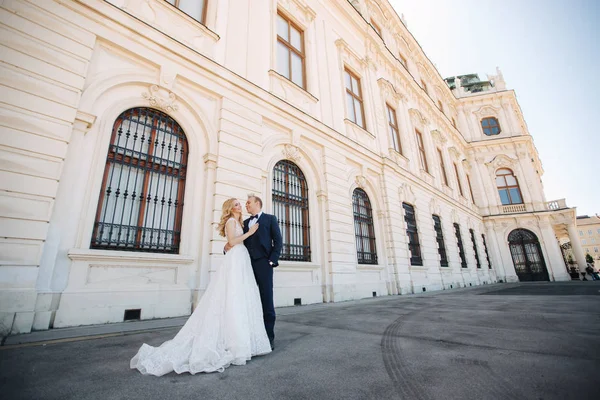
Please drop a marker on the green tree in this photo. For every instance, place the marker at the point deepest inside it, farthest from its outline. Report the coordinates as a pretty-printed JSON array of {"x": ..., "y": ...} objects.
[{"x": 589, "y": 258}]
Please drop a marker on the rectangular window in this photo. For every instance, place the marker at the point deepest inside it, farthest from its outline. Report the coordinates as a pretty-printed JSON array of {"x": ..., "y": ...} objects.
[
  {"x": 377, "y": 28},
  {"x": 443, "y": 167},
  {"x": 595, "y": 249},
  {"x": 290, "y": 51},
  {"x": 422, "y": 155},
  {"x": 460, "y": 189},
  {"x": 194, "y": 8},
  {"x": 393, "y": 129},
  {"x": 470, "y": 189},
  {"x": 403, "y": 60},
  {"x": 354, "y": 99},
  {"x": 461, "y": 249},
  {"x": 580, "y": 233},
  {"x": 583, "y": 241},
  {"x": 475, "y": 248},
  {"x": 599, "y": 231},
  {"x": 437, "y": 225},
  {"x": 589, "y": 232},
  {"x": 487, "y": 255},
  {"x": 424, "y": 86},
  {"x": 413, "y": 236}
]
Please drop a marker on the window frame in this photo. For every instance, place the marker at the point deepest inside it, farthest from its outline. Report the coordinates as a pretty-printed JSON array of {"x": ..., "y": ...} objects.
[
  {"x": 414, "y": 245},
  {"x": 355, "y": 96},
  {"x": 508, "y": 187},
  {"x": 150, "y": 166},
  {"x": 474, "y": 241},
  {"x": 490, "y": 126},
  {"x": 421, "y": 150},
  {"x": 360, "y": 220},
  {"x": 439, "y": 235},
  {"x": 290, "y": 48},
  {"x": 487, "y": 254},
  {"x": 470, "y": 188},
  {"x": 202, "y": 19},
  {"x": 393, "y": 126},
  {"x": 443, "y": 167},
  {"x": 460, "y": 189},
  {"x": 460, "y": 245}
]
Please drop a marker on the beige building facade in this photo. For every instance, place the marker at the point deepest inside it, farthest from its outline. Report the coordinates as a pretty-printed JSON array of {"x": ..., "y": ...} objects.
[
  {"x": 588, "y": 233},
  {"x": 127, "y": 123}
]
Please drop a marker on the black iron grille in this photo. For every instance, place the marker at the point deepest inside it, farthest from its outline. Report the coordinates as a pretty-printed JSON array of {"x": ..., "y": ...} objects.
[
  {"x": 413, "y": 235},
  {"x": 437, "y": 224},
  {"x": 475, "y": 248},
  {"x": 461, "y": 249},
  {"x": 363, "y": 228},
  {"x": 141, "y": 201},
  {"x": 487, "y": 255},
  {"x": 290, "y": 205}
]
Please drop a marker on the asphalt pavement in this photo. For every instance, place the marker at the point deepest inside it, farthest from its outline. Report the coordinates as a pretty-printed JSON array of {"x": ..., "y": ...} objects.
[{"x": 504, "y": 341}]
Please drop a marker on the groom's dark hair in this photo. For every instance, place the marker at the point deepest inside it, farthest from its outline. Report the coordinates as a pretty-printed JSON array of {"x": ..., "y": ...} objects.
[{"x": 250, "y": 196}]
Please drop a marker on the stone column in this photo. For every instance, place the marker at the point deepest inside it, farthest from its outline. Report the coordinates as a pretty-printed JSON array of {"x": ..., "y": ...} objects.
[
  {"x": 577, "y": 249},
  {"x": 555, "y": 263}
]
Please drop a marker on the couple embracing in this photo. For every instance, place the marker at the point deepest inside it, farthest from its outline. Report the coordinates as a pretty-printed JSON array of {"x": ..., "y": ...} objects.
[{"x": 235, "y": 317}]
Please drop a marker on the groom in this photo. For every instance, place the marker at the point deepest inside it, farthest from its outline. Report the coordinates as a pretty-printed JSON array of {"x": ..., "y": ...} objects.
[{"x": 264, "y": 248}]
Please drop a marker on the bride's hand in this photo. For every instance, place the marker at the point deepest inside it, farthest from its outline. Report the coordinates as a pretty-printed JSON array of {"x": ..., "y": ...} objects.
[{"x": 253, "y": 229}]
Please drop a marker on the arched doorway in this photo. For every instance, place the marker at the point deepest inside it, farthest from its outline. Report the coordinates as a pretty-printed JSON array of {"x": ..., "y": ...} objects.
[{"x": 527, "y": 256}]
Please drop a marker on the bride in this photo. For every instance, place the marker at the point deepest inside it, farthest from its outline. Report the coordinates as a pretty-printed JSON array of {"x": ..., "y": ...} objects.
[{"x": 227, "y": 325}]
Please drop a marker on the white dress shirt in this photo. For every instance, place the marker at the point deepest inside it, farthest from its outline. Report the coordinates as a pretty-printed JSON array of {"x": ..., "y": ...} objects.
[{"x": 253, "y": 221}]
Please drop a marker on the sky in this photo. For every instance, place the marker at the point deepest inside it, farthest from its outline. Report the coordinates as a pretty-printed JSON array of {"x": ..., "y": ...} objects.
[{"x": 549, "y": 53}]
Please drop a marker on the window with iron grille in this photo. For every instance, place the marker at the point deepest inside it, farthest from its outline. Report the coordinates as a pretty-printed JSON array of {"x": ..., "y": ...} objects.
[
  {"x": 413, "y": 235},
  {"x": 490, "y": 126},
  {"x": 290, "y": 206},
  {"x": 194, "y": 8},
  {"x": 475, "y": 248},
  {"x": 141, "y": 201},
  {"x": 461, "y": 249},
  {"x": 437, "y": 225},
  {"x": 364, "y": 230},
  {"x": 487, "y": 255}
]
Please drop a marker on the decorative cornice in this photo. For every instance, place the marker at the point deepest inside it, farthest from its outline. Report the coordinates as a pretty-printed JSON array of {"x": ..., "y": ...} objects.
[
  {"x": 501, "y": 160},
  {"x": 389, "y": 91},
  {"x": 417, "y": 118},
  {"x": 438, "y": 137},
  {"x": 454, "y": 153},
  {"x": 297, "y": 7},
  {"x": 406, "y": 194}
]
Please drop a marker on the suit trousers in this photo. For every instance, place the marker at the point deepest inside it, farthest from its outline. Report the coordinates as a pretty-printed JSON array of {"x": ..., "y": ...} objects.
[{"x": 263, "y": 272}]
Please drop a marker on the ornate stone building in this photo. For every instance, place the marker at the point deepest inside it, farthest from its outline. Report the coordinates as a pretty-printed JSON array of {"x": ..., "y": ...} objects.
[{"x": 127, "y": 123}]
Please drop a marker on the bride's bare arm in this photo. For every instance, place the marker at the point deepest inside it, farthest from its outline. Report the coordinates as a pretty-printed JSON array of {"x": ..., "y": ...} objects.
[{"x": 230, "y": 229}]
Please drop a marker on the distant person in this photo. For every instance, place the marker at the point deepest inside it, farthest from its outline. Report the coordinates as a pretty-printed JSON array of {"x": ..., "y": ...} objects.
[{"x": 590, "y": 270}]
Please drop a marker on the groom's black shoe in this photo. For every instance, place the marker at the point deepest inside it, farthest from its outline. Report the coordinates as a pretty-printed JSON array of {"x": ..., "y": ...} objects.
[{"x": 272, "y": 341}]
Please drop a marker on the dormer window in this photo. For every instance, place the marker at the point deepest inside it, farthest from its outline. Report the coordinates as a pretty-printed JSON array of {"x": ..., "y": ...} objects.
[{"x": 490, "y": 126}]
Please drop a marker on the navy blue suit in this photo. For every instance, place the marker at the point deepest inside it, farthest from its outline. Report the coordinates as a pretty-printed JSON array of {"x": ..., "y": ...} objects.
[{"x": 264, "y": 246}]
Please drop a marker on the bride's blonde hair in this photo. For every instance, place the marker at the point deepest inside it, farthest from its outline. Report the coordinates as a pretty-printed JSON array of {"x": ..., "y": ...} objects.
[{"x": 226, "y": 213}]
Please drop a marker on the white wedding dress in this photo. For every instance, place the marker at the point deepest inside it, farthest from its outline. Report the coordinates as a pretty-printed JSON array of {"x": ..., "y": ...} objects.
[{"x": 225, "y": 328}]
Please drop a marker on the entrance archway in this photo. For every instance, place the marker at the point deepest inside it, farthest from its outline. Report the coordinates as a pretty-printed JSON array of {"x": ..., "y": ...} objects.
[{"x": 527, "y": 256}]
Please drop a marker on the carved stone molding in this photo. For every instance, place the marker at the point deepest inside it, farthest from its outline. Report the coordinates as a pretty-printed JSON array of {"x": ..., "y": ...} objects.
[
  {"x": 210, "y": 160},
  {"x": 455, "y": 219},
  {"x": 161, "y": 98},
  {"x": 454, "y": 153},
  {"x": 466, "y": 165},
  {"x": 291, "y": 152},
  {"x": 361, "y": 181},
  {"x": 487, "y": 111},
  {"x": 299, "y": 9},
  {"x": 438, "y": 137},
  {"x": 434, "y": 207},
  {"x": 501, "y": 160},
  {"x": 84, "y": 121},
  {"x": 417, "y": 118},
  {"x": 389, "y": 91},
  {"x": 406, "y": 193}
]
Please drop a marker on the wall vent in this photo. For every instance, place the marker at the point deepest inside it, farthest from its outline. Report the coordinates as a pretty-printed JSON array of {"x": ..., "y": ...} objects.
[{"x": 132, "y": 315}]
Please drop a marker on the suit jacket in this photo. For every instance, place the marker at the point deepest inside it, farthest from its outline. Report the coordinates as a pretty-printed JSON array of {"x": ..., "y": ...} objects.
[{"x": 267, "y": 240}]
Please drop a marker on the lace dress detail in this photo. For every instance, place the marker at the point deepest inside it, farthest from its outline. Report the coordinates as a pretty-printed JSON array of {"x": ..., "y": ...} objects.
[{"x": 225, "y": 328}]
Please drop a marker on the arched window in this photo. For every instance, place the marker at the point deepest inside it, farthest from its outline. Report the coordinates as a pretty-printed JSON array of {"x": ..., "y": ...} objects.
[
  {"x": 364, "y": 230},
  {"x": 290, "y": 205},
  {"x": 141, "y": 201},
  {"x": 508, "y": 187},
  {"x": 490, "y": 126}
]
